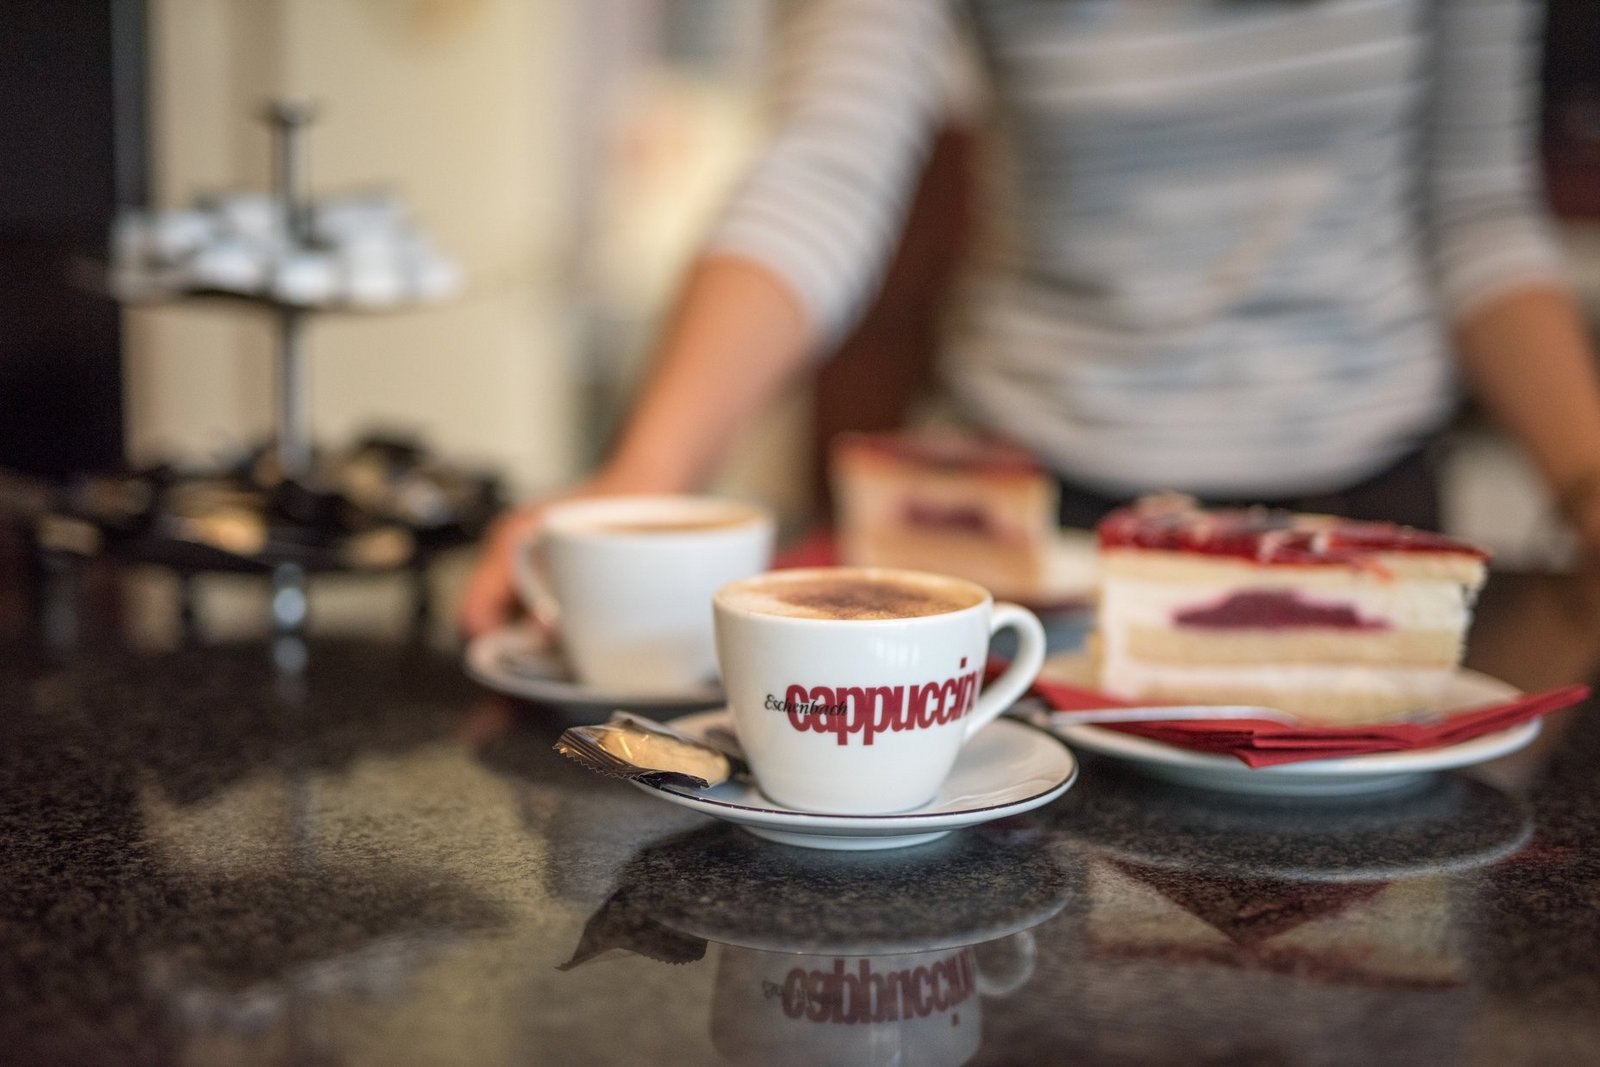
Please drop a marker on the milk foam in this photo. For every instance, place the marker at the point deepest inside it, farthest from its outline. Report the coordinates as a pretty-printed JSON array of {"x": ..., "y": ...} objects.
[{"x": 846, "y": 595}]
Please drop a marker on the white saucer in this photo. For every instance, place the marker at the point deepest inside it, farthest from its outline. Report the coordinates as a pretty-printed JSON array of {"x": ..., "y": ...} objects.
[
  {"x": 1069, "y": 579},
  {"x": 1377, "y": 772},
  {"x": 1374, "y": 773},
  {"x": 1007, "y": 769},
  {"x": 519, "y": 661}
]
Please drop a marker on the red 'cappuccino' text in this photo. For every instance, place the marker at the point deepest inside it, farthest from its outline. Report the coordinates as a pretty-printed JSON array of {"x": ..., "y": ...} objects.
[
  {"x": 872, "y": 710},
  {"x": 862, "y": 995}
]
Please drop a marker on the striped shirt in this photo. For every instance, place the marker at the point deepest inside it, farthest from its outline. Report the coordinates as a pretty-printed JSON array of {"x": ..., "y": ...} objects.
[{"x": 1226, "y": 239}]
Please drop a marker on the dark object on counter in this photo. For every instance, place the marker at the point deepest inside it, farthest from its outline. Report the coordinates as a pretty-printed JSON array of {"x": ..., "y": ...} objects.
[
  {"x": 379, "y": 504},
  {"x": 383, "y": 504},
  {"x": 639, "y": 749}
]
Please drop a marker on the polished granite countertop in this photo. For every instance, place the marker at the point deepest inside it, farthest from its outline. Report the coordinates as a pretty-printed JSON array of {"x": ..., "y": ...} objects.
[{"x": 210, "y": 861}]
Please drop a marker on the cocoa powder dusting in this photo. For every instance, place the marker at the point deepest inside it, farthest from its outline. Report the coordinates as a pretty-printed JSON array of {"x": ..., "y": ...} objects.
[{"x": 869, "y": 599}]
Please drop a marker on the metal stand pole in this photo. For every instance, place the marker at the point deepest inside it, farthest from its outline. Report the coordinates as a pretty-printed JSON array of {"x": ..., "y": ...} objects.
[
  {"x": 293, "y": 442},
  {"x": 288, "y": 118}
]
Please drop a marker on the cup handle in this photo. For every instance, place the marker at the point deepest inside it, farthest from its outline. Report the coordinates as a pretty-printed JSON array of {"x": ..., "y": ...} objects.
[
  {"x": 531, "y": 583},
  {"x": 1016, "y": 678},
  {"x": 1027, "y": 950}
]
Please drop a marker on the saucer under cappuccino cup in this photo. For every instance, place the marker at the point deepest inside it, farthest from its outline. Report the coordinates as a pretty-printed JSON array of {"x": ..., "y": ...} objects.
[
  {"x": 626, "y": 583},
  {"x": 853, "y": 689}
]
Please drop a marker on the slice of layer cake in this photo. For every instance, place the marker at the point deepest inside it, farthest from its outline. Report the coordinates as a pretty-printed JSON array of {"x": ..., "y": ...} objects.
[
  {"x": 945, "y": 503},
  {"x": 1337, "y": 621}
]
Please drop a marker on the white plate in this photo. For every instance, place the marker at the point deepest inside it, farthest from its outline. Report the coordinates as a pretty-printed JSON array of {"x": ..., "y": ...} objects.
[
  {"x": 1071, "y": 575},
  {"x": 519, "y": 661},
  {"x": 1008, "y": 768},
  {"x": 1072, "y": 572},
  {"x": 1372, "y": 773}
]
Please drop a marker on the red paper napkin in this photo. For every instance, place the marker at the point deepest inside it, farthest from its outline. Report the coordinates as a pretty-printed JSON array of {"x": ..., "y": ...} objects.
[
  {"x": 815, "y": 549},
  {"x": 1263, "y": 743}
]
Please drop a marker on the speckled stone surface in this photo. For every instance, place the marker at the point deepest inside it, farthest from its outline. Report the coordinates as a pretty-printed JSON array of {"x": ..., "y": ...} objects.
[{"x": 379, "y": 863}]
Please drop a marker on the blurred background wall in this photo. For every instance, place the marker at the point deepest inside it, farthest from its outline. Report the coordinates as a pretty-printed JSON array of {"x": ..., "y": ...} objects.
[
  {"x": 458, "y": 106},
  {"x": 567, "y": 153}
]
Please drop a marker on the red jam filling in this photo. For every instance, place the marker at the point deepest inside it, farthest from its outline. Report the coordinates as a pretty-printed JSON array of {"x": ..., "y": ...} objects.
[
  {"x": 1265, "y": 535},
  {"x": 962, "y": 518},
  {"x": 1270, "y": 609}
]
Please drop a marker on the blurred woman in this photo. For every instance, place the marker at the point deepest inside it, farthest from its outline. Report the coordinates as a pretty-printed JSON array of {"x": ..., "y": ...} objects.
[{"x": 1241, "y": 248}]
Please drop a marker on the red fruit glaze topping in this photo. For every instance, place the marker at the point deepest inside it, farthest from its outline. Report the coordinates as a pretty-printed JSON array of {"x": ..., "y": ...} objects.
[
  {"x": 1264, "y": 535},
  {"x": 946, "y": 452},
  {"x": 1270, "y": 609}
]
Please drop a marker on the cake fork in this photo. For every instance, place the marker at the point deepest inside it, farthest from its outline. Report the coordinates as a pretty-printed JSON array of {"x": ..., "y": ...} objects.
[{"x": 1036, "y": 713}]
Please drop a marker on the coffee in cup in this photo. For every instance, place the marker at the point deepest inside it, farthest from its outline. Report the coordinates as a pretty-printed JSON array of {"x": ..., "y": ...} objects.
[
  {"x": 853, "y": 689},
  {"x": 626, "y": 582}
]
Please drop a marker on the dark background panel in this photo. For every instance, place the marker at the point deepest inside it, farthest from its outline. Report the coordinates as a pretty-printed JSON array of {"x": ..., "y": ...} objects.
[
  {"x": 1572, "y": 106},
  {"x": 71, "y": 147}
]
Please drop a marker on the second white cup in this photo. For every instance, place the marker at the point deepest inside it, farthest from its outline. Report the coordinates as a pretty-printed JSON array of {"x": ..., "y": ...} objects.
[{"x": 627, "y": 582}]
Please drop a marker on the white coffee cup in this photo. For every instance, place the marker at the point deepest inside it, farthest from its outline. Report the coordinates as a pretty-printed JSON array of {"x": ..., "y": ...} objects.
[
  {"x": 854, "y": 688},
  {"x": 627, "y": 581}
]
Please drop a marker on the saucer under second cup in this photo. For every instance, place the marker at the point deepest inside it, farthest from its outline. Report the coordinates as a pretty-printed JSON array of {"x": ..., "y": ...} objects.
[{"x": 519, "y": 661}]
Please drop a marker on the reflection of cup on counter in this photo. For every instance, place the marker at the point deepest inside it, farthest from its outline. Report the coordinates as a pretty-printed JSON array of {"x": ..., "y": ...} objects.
[
  {"x": 1452, "y": 823},
  {"x": 627, "y": 582},
  {"x": 897, "y": 947},
  {"x": 904, "y": 1008},
  {"x": 1295, "y": 926}
]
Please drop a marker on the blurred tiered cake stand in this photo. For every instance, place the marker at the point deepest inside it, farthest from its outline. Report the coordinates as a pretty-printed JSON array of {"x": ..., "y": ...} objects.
[{"x": 285, "y": 509}]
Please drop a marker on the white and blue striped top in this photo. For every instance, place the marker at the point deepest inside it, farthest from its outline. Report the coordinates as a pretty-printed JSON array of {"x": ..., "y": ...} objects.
[{"x": 1226, "y": 240}]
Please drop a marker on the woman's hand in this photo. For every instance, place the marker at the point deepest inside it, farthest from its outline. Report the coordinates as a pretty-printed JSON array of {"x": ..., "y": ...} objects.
[
  {"x": 490, "y": 596},
  {"x": 1528, "y": 356},
  {"x": 1580, "y": 506}
]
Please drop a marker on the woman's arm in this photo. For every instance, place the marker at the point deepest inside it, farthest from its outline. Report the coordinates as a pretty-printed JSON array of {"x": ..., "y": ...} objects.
[
  {"x": 1519, "y": 333},
  {"x": 795, "y": 259},
  {"x": 738, "y": 335},
  {"x": 1528, "y": 357}
]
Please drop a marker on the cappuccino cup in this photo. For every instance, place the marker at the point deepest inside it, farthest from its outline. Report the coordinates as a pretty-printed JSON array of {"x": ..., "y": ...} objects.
[
  {"x": 626, "y": 583},
  {"x": 853, "y": 689}
]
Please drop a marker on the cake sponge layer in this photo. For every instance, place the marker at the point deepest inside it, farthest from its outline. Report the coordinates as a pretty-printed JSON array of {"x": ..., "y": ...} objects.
[
  {"x": 1321, "y": 694},
  {"x": 1409, "y": 648}
]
